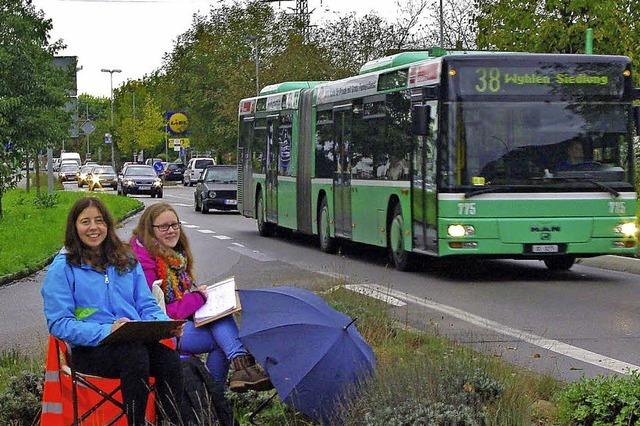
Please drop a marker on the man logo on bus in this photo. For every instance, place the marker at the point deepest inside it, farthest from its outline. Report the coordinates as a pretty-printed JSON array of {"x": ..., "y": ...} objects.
[{"x": 178, "y": 122}]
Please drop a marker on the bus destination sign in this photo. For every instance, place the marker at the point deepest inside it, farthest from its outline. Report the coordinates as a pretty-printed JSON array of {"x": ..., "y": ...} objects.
[{"x": 556, "y": 80}]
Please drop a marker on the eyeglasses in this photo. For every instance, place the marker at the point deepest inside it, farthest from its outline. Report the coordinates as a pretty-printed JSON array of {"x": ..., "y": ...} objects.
[{"x": 165, "y": 227}]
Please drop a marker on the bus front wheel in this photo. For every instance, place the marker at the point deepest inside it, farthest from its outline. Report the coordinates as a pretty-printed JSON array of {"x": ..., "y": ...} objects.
[
  {"x": 327, "y": 243},
  {"x": 265, "y": 229},
  {"x": 395, "y": 241},
  {"x": 560, "y": 263}
]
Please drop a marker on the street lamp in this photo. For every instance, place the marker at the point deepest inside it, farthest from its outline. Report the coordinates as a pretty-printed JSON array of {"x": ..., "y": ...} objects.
[
  {"x": 254, "y": 39},
  {"x": 113, "y": 162}
]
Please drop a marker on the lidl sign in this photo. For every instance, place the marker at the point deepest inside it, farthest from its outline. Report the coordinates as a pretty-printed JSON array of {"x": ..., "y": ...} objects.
[{"x": 177, "y": 122}]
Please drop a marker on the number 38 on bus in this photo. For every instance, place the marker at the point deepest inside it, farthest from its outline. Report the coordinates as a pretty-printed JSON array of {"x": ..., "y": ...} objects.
[{"x": 521, "y": 156}]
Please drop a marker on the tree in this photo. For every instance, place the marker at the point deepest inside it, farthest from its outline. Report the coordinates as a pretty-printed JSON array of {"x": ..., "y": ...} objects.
[
  {"x": 558, "y": 26},
  {"x": 32, "y": 93}
]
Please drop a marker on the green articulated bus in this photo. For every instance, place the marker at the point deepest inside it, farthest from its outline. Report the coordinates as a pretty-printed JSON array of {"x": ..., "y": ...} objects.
[{"x": 497, "y": 155}]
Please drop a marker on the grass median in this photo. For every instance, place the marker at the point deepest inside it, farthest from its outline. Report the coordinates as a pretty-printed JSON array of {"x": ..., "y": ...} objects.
[{"x": 32, "y": 228}]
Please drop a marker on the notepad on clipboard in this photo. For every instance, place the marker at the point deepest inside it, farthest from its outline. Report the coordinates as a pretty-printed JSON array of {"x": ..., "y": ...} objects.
[{"x": 222, "y": 300}]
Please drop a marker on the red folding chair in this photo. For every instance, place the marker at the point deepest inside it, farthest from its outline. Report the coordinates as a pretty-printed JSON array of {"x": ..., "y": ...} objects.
[{"x": 73, "y": 398}]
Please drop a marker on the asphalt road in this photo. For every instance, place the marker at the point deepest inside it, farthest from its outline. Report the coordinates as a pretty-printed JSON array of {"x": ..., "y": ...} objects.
[{"x": 582, "y": 322}]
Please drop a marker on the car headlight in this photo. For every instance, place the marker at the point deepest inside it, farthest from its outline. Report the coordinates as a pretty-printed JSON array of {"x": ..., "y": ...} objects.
[
  {"x": 129, "y": 183},
  {"x": 628, "y": 229},
  {"x": 211, "y": 194},
  {"x": 458, "y": 231}
]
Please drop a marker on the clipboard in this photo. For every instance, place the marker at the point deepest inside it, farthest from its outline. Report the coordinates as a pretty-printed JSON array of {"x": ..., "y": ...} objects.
[
  {"x": 142, "y": 331},
  {"x": 222, "y": 300}
]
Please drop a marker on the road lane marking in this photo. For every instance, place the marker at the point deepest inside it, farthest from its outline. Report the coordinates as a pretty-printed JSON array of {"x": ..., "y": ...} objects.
[
  {"x": 254, "y": 254},
  {"x": 556, "y": 346},
  {"x": 189, "y": 226},
  {"x": 206, "y": 231},
  {"x": 183, "y": 205},
  {"x": 376, "y": 294},
  {"x": 222, "y": 237},
  {"x": 238, "y": 244}
]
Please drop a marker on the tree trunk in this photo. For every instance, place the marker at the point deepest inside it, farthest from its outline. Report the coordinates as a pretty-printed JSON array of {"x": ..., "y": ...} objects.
[
  {"x": 28, "y": 176},
  {"x": 37, "y": 164}
]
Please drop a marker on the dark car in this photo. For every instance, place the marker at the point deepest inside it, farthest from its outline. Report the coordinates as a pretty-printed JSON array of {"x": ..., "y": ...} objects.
[
  {"x": 174, "y": 172},
  {"x": 217, "y": 189},
  {"x": 101, "y": 177},
  {"x": 139, "y": 179}
]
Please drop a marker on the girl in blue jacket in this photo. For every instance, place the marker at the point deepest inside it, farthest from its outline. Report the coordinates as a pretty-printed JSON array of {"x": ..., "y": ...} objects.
[{"x": 94, "y": 285}]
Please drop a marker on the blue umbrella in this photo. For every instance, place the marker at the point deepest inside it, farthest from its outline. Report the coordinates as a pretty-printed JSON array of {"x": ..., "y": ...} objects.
[{"x": 313, "y": 354}]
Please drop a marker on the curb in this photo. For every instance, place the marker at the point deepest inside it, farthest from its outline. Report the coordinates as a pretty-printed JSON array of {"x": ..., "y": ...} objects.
[
  {"x": 613, "y": 263},
  {"x": 7, "y": 279}
]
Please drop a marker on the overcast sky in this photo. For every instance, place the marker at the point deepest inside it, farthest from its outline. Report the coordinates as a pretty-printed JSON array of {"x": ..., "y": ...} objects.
[{"x": 133, "y": 35}]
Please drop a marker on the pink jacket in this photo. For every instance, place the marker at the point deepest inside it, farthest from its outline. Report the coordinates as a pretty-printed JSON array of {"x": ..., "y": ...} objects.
[{"x": 178, "y": 309}]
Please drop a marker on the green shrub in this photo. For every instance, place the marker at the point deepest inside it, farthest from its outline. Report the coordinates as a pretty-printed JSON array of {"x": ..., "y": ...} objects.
[
  {"x": 20, "y": 401},
  {"x": 45, "y": 200},
  {"x": 412, "y": 412},
  {"x": 613, "y": 400}
]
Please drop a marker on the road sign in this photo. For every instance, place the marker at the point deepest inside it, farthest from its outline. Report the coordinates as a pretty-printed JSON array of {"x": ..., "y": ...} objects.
[
  {"x": 157, "y": 166},
  {"x": 88, "y": 127},
  {"x": 107, "y": 138}
]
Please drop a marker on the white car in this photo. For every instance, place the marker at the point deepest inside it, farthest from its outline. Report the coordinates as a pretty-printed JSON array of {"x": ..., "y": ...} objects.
[{"x": 194, "y": 169}]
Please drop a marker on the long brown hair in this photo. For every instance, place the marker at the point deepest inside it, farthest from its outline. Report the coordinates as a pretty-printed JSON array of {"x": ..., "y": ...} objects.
[
  {"x": 112, "y": 251},
  {"x": 144, "y": 233}
]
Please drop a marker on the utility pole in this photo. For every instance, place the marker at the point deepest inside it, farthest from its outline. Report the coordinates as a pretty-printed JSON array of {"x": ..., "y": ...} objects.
[
  {"x": 111, "y": 71},
  {"x": 254, "y": 39},
  {"x": 441, "y": 26},
  {"x": 86, "y": 114}
]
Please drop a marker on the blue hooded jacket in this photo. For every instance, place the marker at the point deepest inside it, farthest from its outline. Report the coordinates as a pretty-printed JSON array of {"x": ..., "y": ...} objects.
[{"x": 81, "y": 303}]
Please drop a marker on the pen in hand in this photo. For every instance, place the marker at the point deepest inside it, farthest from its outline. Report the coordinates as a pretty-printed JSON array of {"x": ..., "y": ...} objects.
[{"x": 118, "y": 323}]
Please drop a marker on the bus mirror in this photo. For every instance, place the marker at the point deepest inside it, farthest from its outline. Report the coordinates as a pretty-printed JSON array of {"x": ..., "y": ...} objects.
[
  {"x": 421, "y": 120},
  {"x": 636, "y": 119}
]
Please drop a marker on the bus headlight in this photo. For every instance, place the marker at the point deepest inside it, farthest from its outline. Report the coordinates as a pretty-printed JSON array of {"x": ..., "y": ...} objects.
[
  {"x": 628, "y": 229},
  {"x": 458, "y": 231}
]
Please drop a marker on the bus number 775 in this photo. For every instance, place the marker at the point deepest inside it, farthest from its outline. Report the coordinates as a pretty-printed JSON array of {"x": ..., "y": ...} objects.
[{"x": 467, "y": 209}]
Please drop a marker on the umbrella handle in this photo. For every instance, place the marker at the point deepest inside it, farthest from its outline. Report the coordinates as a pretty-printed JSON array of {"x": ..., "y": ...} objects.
[
  {"x": 352, "y": 321},
  {"x": 261, "y": 407}
]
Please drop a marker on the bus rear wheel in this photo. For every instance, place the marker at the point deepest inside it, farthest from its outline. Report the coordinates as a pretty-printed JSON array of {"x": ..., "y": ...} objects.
[
  {"x": 327, "y": 243},
  {"x": 265, "y": 229},
  {"x": 395, "y": 241},
  {"x": 560, "y": 263}
]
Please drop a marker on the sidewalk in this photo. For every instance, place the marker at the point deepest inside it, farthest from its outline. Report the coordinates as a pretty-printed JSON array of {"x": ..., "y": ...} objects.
[{"x": 614, "y": 263}]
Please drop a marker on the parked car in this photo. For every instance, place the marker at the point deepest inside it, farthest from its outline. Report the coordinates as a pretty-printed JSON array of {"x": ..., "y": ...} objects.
[
  {"x": 139, "y": 179},
  {"x": 84, "y": 174},
  {"x": 194, "y": 169},
  {"x": 56, "y": 164},
  {"x": 174, "y": 172},
  {"x": 103, "y": 176},
  {"x": 68, "y": 171},
  {"x": 218, "y": 189}
]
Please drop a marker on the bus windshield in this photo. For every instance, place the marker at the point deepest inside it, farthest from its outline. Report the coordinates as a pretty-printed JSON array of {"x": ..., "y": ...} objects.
[{"x": 537, "y": 144}]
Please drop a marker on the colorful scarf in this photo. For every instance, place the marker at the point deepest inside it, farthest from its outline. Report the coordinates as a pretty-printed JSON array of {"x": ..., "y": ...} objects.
[{"x": 175, "y": 279}]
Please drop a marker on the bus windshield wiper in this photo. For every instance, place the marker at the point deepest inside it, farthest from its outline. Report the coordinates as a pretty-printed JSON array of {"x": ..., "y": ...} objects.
[
  {"x": 600, "y": 185},
  {"x": 485, "y": 190}
]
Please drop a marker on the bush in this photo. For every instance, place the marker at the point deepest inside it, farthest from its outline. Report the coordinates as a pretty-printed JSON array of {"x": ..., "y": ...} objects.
[
  {"x": 45, "y": 200},
  {"x": 413, "y": 412},
  {"x": 20, "y": 402},
  {"x": 602, "y": 400}
]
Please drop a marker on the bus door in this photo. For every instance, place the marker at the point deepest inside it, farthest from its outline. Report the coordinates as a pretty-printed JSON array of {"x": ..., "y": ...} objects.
[
  {"x": 424, "y": 197},
  {"x": 271, "y": 198},
  {"x": 342, "y": 117}
]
